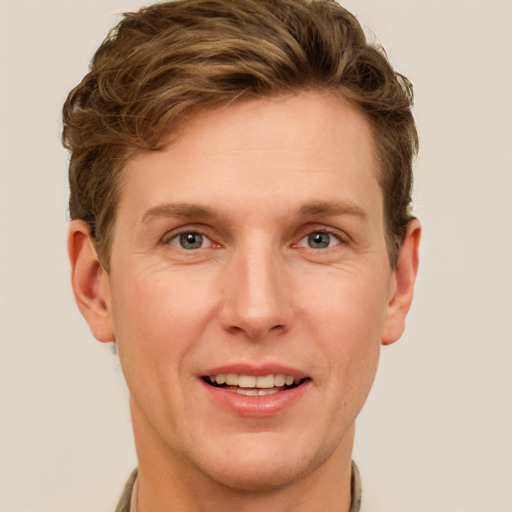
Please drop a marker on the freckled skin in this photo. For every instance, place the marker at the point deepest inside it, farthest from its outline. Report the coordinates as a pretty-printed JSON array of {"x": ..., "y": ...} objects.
[{"x": 256, "y": 289}]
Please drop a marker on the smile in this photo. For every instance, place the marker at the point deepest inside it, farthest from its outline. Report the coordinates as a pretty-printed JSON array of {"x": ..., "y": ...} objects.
[{"x": 252, "y": 385}]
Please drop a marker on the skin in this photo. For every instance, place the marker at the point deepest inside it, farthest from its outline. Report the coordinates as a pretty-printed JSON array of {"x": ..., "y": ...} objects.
[{"x": 267, "y": 174}]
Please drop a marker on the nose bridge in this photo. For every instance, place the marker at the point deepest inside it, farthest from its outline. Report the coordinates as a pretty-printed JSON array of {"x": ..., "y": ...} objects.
[{"x": 256, "y": 297}]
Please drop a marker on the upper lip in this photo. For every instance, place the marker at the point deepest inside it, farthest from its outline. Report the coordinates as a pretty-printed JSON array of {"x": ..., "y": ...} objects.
[{"x": 256, "y": 370}]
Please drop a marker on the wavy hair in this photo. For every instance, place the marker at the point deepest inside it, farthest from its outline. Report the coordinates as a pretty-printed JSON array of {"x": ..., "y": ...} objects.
[{"x": 168, "y": 60}]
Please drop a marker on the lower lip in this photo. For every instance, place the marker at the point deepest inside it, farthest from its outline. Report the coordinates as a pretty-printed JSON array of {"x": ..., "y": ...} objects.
[{"x": 257, "y": 406}]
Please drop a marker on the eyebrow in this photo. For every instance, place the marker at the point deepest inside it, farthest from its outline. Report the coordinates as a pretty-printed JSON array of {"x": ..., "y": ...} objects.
[
  {"x": 332, "y": 208},
  {"x": 178, "y": 210},
  {"x": 194, "y": 211}
]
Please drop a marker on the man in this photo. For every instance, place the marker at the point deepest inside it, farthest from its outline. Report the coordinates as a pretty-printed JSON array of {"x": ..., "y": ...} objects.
[{"x": 240, "y": 181}]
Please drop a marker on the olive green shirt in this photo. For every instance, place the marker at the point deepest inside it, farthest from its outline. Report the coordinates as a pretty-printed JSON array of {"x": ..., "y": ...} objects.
[{"x": 128, "y": 502}]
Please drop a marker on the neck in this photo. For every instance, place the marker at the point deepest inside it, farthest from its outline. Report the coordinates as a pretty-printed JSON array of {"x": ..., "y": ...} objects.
[{"x": 168, "y": 482}]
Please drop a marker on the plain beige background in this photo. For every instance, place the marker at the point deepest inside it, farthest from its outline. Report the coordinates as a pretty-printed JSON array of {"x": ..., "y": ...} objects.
[{"x": 435, "y": 435}]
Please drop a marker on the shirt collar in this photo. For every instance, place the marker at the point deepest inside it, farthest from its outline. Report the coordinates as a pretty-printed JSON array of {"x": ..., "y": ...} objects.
[{"x": 128, "y": 502}]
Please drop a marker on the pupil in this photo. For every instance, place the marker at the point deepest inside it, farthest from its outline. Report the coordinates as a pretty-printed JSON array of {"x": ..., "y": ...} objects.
[
  {"x": 191, "y": 240},
  {"x": 319, "y": 240}
]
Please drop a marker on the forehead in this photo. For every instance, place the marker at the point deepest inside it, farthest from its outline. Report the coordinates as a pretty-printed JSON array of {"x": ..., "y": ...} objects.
[{"x": 305, "y": 148}]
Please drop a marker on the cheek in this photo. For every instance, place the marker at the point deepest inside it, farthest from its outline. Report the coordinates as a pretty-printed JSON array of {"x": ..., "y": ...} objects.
[
  {"x": 157, "y": 320},
  {"x": 352, "y": 304},
  {"x": 346, "y": 323},
  {"x": 352, "y": 346}
]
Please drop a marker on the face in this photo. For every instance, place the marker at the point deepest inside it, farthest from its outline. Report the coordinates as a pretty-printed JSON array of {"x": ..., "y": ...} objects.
[{"x": 250, "y": 289}]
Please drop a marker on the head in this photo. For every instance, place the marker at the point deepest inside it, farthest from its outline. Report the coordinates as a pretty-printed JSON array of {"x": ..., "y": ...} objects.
[
  {"x": 167, "y": 61},
  {"x": 243, "y": 170}
]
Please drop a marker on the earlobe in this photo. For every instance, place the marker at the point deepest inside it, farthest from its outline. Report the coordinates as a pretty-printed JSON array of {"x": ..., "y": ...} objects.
[
  {"x": 402, "y": 285},
  {"x": 90, "y": 282}
]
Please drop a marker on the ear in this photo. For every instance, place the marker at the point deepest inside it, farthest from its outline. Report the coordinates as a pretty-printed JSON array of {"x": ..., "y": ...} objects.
[
  {"x": 90, "y": 282},
  {"x": 402, "y": 284}
]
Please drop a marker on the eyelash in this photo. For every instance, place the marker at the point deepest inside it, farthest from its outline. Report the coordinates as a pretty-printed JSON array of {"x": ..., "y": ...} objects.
[
  {"x": 168, "y": 239},
  {"x": 303, "y": 241},
  {"x": 332, "y": 234}
]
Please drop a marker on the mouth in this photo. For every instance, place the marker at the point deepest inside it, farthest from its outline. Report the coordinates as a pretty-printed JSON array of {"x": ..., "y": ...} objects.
[{"x": 254, "y": 385}]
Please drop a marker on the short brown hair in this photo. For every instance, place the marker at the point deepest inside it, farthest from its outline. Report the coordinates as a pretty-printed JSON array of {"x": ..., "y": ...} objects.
[{"x": 170, "y": 59}]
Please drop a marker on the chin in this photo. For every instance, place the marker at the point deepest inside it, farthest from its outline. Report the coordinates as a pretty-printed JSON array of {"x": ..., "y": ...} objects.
[
  {"x": 271, "y": 477},
  {"x": 264, "y": 467}
]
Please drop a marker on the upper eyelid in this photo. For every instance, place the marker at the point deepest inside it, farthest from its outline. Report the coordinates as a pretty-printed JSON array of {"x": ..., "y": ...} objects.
[
  {"x": 319, "y": 228},
  {"x": 330, "y": 231},
  {"x": 174, "y": 240},
  {"x": 300, "y": 233},
  {"x": 336, "y": 235},
  {"x": 192, "y": 228}
]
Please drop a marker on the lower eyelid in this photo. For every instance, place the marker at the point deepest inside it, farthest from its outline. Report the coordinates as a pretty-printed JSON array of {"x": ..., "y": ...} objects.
[
  {"x": 303, "y": 240},
  {"x": 173, "y": 239}
]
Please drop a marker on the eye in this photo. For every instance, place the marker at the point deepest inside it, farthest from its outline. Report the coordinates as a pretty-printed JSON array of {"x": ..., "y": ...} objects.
[
  {"x": 190, "y": 240},
  {"x": 320, "y": 240}
]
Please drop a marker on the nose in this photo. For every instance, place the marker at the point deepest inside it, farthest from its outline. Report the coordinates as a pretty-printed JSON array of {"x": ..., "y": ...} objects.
[{"x": 257, "y": 298}]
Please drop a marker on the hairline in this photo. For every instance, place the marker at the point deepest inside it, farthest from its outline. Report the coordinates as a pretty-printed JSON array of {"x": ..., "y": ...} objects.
[{"x": 177, "y": 126}]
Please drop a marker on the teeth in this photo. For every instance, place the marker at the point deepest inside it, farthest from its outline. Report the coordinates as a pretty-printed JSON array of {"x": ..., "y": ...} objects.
[
  {"x": 265, "y": 382},
  {"x": 279, "y": 380},
  {"x": 254, "y": 392},
  {"x": 247, "y": 381},
  {"x": 261, "y": 382},
  {"x": 232, "y": 379},
  {"x": 247, "y": 392},
  {"x": 262, "y": 392}
]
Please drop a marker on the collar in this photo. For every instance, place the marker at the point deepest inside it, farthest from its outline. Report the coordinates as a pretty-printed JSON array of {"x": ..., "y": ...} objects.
[{"x": 128, "y": 501}]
